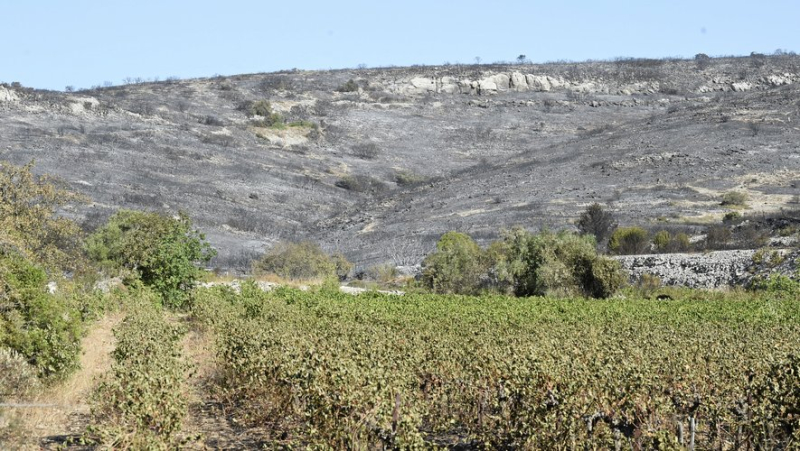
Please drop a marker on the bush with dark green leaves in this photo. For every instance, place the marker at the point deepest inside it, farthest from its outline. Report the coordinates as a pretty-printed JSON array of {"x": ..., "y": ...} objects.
[
  {"x": 629, "y": 241},
  {"x": 45, "y": 329},
  {"x": 456, "y": 266},
  {"x": 526, "y": 264},
  {"x": 163, "y": 252},
  {"x": 302, "y": 261},
  {"x": 555, "y": 263}
]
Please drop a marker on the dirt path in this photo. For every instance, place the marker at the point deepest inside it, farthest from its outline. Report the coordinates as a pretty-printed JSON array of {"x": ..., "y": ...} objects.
[{"x": 62, "y": 411}]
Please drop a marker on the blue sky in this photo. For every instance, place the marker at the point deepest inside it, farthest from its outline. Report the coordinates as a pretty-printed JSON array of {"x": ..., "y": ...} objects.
[{"x": 55, "y": 43}]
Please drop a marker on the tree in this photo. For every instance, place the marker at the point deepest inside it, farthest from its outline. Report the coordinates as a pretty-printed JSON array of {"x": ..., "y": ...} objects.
[
  {"x": 163, "y": 252},
  {"x": 521, "y": 59},
  {"x": 596, "y": 221},
  {"x": 456, "y": 266},
  {"x": 29, "y": 223}
]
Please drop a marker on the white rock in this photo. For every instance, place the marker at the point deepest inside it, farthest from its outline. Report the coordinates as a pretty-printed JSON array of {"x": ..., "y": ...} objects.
[
  {"x": 487, "y": 86},
  {"x": 779, "y": 80},
  {"x": 539, "y": 83},
  {"x": 741, "y": 86},
  {"x": 518, "y": 82},
  {"x": 7, "y": 95}
]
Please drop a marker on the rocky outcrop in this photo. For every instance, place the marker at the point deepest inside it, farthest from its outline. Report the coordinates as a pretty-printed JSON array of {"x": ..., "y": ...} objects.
[
  {"x": 490, "y": 83},
  {"x": 711, "y": 270},
  {"x": 8, "y": 95}
]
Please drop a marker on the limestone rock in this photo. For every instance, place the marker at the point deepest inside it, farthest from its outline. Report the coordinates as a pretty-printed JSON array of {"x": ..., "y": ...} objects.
[
  {"x": 518, "y": 82},
  {"x": 779, "y": 80},
  {"x": 8, "y": 95},
  {"x": 741, "y": 86},
  {"x": 539, "y": 83},
  {"x": 423, "y": 84}
]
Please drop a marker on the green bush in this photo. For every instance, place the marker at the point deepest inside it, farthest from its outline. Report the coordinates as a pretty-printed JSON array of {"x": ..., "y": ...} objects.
[
  {"x": 43, "y": 328},
  {"x": 554, "y": 263},
  {"x": 161, "y": 251},
  {"x": 661, "y": 241},
  {"x": 404, "y": 178},
  {"x": 681, "y": 243},
  {"x": 628, "y": 241},
  {"x": 456, "y": 266},
  {"x": 302, "y": 261}
]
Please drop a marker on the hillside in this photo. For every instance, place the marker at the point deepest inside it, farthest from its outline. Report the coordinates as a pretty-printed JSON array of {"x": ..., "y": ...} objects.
[{"x": 380, "y": 166}]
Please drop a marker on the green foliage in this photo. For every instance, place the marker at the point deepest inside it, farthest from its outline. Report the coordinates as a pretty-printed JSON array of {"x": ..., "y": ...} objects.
[
  {"x": 140, "y": 403},
  {"x": 605, "y": 279},
  {"x": 628, "y": 241},
  {"x": 777, "y": 284},
  {"x": 555, "y": 263},
  {"x": 29, "y": 223},
  {"x": 161, "y": 251},
  {"x": 456, "y": 266},
  {"x": 302, "y": 261},
  {"x": 734, "y": 199},
  {"x": 681, "y": 243},
  {"x": 597, "y": 222},
  {"x": 327, "y": 370},
  {"x": 661, "y": 241},
  {"x": 43, "y": 328}
]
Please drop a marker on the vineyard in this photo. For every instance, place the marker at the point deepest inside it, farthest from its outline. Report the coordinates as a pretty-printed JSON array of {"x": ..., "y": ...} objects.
[{"x": 330, "y": 370}]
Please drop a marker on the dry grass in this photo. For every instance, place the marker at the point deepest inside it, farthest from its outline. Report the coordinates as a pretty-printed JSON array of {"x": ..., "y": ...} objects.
[{"x": 65, "y": 406}]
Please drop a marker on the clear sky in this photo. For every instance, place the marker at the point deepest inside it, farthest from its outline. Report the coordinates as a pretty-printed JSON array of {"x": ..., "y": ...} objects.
[{"x": 55, "y": 43}]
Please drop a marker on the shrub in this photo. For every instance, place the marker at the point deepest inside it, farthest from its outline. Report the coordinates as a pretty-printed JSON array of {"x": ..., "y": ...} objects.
[
  {"x": 17, "y": 376},
  {"x": 734, "y": 199},
  {"x": 662, "y": 241},
  {"x": 365, "y": 151},
  {"x": 597, "y": 222},
  {"x": 455, "y": 267},
  {"x": 628, "y": 241},
  {"x": 549, "y": 263},
  {"x": 680, "y": 243},
  {"x": 350, "y": 86},
  {"x": 360, "y": 184},
  {"x": 404, "y": 178},
  {"x": 718, "y": 237},
  {"x": 41, "y": 327},
  {"x": 261, "y": 108},
  {"x": 301, "y": 261},
  {"x": 732, "y": 217},
  {"x": 161, "y": 251},
  {"x": 604, "y": 279}
]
